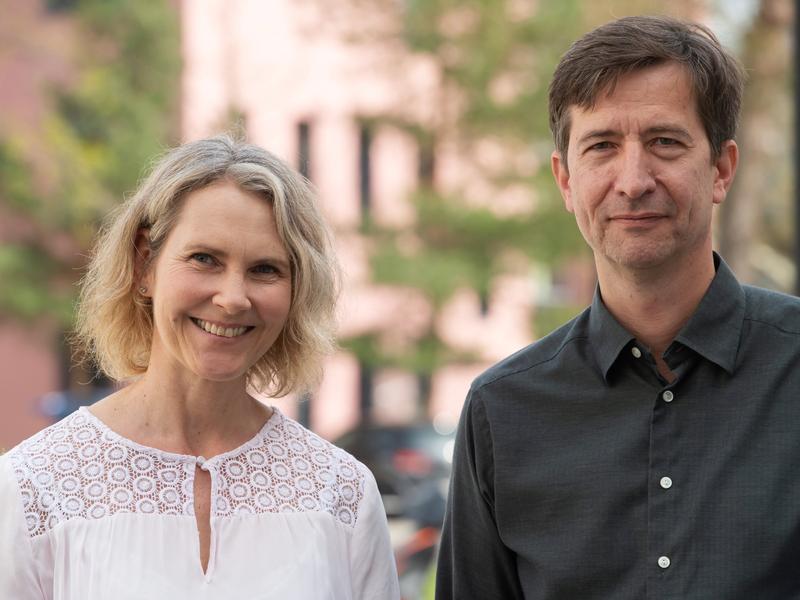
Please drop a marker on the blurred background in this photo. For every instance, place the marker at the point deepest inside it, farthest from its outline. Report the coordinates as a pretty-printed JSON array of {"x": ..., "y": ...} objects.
[{"x": 423, "y": 124}]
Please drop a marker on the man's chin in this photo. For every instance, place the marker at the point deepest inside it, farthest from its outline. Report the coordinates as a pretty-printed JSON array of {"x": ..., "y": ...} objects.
[{"x": 639, "y": 257}]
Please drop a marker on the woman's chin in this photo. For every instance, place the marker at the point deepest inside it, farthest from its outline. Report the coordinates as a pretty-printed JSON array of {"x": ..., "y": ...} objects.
[{"x": 221, "y": 374}]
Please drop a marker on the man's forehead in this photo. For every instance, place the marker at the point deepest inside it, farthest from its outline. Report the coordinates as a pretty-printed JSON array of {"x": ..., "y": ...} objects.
[{"x": 649, "y": 94}]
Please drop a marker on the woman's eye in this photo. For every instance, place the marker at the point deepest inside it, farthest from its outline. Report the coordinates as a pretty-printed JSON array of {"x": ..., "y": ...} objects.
[
  {"x": 265, "y": 269},
  {"x": 203, "y": 258}
]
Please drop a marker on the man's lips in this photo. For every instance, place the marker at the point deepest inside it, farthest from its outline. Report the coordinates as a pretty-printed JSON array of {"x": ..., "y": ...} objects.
[{"x": 638, "y": 218}]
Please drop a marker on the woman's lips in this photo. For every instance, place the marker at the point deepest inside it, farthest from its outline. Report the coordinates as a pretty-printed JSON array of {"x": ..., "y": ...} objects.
[{"x": 221, "y": 330}]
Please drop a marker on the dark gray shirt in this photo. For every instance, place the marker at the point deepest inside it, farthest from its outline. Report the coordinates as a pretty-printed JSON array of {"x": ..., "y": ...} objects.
[{"x": 580, "y": 474}]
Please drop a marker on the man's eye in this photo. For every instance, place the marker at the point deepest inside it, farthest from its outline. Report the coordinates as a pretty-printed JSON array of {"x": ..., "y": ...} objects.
[
  {"x": 664, "y": 141},
  {"x": 600, "y": 146}
]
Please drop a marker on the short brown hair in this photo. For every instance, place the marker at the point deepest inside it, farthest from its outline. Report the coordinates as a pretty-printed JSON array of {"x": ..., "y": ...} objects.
[
  {"x": 594, "y": 63},
  {"x": 114, "y": 321}
]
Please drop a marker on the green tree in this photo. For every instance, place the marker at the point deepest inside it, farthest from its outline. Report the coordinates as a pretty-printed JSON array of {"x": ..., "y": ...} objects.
[
  {"x": 102, "y": 127},
  {"x": 493, "y": 59}
]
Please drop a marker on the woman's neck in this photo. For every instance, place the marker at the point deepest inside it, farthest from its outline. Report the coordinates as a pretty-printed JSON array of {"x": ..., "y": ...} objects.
[{"x": 200, "y": 418}]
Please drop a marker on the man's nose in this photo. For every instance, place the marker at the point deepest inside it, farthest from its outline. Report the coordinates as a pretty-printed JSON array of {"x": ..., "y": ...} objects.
[
  {"x": 232, "y": 295},
  {"x": 634, "y": 177}
]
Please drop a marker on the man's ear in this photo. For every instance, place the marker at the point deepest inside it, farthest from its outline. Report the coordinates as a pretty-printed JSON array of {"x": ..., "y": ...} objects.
[
  {"x": 561, "y": 175},
  {"x": 725, "y": 169},
  {"x": 142, "y": 271}
]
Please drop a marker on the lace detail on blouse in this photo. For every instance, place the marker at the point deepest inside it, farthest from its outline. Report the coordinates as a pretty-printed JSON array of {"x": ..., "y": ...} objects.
[{"x": 78, "y": 468}]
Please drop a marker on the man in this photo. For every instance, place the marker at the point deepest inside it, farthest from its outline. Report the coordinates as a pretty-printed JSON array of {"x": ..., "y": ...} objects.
[{"x": 650, "y": 448}]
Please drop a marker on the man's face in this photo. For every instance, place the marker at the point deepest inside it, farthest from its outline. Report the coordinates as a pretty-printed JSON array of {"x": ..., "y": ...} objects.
[{"x": 641, "y": 181}]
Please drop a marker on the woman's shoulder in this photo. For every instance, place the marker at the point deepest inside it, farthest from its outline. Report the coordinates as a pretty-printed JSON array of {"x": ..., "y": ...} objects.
[
  {"x": 31, "y": 465},
  {"x": 288, "y": 438},
  {"x": 300, "y": 471},
  {"x": 79, "y": 469},
  {"x": 39, "y": 449}
]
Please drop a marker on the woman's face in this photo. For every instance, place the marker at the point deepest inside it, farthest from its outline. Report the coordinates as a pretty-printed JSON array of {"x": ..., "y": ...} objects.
[{"x": 220, "y": 287}]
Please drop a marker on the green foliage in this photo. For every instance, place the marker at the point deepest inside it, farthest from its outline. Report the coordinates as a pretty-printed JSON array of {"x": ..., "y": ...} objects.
[
  {"x": 426, "y": 356},
  {"x": 483, "y": 44},
  {"x": 15, "y": 183},
  {"x": 118, "y": 112},
  {"x": 122, "y": 111},
  {"x": 455, "y": 245},
  {"x": 495, "y": 64},
  {"x": 547, "y": 319},
  {"x": 31, "y": 271}
]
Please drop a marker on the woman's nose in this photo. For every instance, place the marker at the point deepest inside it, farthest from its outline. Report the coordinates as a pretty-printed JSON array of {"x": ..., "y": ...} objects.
[{"x": 232, "y": 296}]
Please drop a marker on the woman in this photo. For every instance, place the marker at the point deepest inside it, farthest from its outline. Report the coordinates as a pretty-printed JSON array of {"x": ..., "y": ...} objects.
[{"x": 216, "y": 279}]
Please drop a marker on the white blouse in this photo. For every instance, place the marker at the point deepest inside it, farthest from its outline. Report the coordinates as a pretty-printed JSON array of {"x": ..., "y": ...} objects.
[{"x": 86, "y": 514}]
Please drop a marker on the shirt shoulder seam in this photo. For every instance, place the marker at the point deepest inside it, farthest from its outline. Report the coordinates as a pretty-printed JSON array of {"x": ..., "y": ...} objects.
[
  {"x": 773, "y": 325},
  {"x": 560, "y": 349}
]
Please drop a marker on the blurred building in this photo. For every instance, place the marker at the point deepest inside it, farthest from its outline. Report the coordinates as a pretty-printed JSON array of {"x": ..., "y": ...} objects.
[{"x": 35, "y": 51}]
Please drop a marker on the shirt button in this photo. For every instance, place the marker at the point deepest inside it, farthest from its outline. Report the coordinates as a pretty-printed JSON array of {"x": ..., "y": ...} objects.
[
  {"x": 666, "y": 483},
  {"x": 668, "y": 396},
  {"x": 663, "y": 562},
  {"x": 636, "y": 352}
]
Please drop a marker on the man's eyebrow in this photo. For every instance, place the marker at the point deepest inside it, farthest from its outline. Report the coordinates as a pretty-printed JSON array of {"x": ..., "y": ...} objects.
[
  {"x": 675, "y": 130},
  {"x": 598, "y": 133},
  {"x": 666, "y": 129}
]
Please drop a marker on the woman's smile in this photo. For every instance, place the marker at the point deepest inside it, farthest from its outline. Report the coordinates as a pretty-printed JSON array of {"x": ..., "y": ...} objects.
[{"x": 221, "y": 330}]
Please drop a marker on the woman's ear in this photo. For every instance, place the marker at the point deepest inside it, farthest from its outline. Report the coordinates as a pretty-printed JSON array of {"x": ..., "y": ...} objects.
[{"x": 141, "y": 264}]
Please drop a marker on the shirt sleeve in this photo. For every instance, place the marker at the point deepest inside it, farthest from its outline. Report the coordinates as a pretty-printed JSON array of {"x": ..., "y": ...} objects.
[
  {"x": 18, "y": 577},
  {"x": 474, "y": 564},
  {"x": 372, "y": 565}
]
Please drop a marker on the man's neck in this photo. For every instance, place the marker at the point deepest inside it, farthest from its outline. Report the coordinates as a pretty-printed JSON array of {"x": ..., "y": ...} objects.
[{"x": 654, "y": 304}]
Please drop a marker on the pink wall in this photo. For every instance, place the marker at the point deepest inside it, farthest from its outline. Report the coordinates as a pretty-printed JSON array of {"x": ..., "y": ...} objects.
[{"x": 28, "y": 370}]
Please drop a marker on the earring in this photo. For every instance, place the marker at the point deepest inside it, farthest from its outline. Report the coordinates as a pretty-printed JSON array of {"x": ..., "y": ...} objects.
[{"x": 142, "y": 290}]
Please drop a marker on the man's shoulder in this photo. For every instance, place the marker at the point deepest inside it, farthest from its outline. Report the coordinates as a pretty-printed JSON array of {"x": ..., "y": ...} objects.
[
  {"x": 541, "y": 354},
  {"x": 775, "y": 309}
]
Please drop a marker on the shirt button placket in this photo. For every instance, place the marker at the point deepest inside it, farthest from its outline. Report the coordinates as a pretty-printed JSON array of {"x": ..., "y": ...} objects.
[{"x": 663, "y": 499}]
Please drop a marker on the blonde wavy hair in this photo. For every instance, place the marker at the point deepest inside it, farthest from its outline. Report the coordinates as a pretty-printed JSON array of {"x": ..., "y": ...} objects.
[{"x": 114, "y": 323}]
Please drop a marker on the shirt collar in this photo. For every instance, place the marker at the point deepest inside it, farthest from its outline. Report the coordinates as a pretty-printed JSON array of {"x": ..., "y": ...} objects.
[
  {"x": 716, "y": 326},
  {"x": 606, "y": 335},
  {"x": 713, "y": 331}
]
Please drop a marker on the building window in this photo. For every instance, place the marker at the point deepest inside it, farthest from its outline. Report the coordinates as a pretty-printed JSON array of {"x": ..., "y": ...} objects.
[
  {"x": 483, "y": 298},
  {"x": 366, "y": 388},
  {"x": 364, "y": 170},
  {"x": 426, "y": 163},
  {"x": 304, "y": 148},
  {"x": 57, "y": 6}
]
